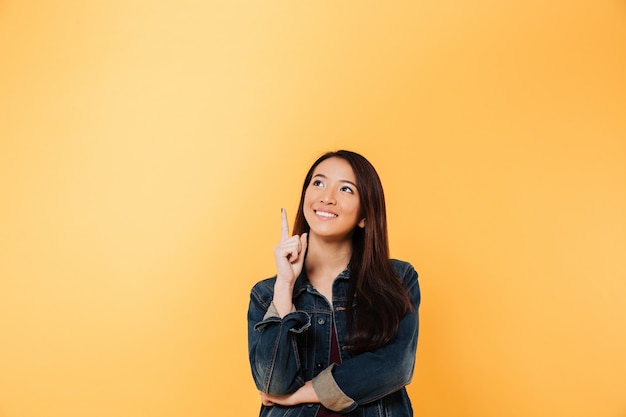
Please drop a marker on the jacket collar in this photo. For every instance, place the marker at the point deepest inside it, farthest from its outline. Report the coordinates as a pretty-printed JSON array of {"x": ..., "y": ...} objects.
[{"x": 303, "y": 283}]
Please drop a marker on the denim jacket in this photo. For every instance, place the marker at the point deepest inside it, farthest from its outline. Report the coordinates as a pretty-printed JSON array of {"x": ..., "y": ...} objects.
[{"x": 285, "y": 353}]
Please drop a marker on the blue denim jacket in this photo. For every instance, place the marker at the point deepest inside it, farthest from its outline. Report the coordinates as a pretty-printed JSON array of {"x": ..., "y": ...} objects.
[{"x": 285, "y": 353}]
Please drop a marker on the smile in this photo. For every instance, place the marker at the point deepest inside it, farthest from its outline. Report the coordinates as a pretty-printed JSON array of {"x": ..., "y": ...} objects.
[{"x": 325, "y": 214}]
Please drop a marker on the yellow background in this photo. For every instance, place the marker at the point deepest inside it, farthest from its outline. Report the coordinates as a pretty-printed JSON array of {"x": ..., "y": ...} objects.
[{"x": 146, "y": 148}]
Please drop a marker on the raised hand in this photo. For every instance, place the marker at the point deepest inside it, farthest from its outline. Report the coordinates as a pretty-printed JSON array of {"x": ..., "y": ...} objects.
[{"x": 289, "y": 254}]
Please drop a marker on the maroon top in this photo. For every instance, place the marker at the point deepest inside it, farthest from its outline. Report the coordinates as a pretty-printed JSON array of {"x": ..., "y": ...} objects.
[{"x": 335, "y": 357}]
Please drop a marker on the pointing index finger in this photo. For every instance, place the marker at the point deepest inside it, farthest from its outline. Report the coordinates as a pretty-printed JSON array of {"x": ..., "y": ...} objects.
[{"x": 284, "y": 230}]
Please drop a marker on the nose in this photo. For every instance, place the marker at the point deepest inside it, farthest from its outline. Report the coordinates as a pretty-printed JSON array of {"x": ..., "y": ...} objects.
[{"x": 328, "y": 197}]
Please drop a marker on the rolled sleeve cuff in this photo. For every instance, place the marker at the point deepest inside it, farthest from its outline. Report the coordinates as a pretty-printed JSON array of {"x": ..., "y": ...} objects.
[
  {"x": 271, "y": 312},
  {"x": 295, "y": 321},
  {"x": 329, "y": 393}
]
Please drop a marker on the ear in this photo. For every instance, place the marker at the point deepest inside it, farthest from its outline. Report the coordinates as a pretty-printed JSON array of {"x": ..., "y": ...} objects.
[{"x": 361, "y": 224}]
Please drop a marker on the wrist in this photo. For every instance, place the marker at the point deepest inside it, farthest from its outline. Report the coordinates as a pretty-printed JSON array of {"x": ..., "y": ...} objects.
[
  {"x": 283, "y": 293},
  {"x": 307, "y": 394},
  {"x": 283, "y": 283}
]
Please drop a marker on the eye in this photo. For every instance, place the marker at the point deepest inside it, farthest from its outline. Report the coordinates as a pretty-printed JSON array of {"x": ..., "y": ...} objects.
[
  {"x": 347, "y": 189},
  {"x": 317, "y": 183}
]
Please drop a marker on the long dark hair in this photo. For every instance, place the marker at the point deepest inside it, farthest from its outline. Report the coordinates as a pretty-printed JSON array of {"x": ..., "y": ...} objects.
[{"x": 377, "y": 299}]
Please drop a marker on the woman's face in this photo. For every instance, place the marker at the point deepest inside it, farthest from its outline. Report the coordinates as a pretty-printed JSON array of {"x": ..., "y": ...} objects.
[{"x": 331, "y": 201}]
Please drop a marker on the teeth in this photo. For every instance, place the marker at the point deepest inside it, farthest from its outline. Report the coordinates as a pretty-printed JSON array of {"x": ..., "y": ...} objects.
[{"x": 325, "y": 214}]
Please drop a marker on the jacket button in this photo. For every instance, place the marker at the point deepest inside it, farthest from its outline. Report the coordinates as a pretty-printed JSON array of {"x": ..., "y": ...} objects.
[
  {"x": 321, "y": 321},
  {"x": 319, "y": 365}
]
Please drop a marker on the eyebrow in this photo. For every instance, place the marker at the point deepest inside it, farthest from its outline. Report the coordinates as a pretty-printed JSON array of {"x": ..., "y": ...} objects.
[{"x": 346, "y": 181}]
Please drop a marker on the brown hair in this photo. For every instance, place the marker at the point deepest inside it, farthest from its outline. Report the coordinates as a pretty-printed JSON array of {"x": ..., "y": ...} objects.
[{"x": 381, "y": 299}]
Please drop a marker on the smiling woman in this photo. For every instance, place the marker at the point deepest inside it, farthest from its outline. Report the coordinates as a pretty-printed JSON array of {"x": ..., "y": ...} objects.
[
  {"x": 336, "y": 329},
  {"x": 146, "y": 146},
  {"x": 331, "y": 201}
]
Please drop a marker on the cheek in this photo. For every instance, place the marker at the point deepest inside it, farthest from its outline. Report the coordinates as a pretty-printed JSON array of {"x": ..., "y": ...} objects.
[
  {"x": 308, "y": 215},
  {"x": 306, "y": 204},
  {"x": 356, "y": 208},
  {"x": 307, "y": 199},
  {"x": 311, "y": 196}
]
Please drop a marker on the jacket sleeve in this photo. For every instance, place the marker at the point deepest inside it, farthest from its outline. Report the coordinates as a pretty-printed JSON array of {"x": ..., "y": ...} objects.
[
  {"x": 370, "y": 376},
  {"x": 272, "y": 347}
]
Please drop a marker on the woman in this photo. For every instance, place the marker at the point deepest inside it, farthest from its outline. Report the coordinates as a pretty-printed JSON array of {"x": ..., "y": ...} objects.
[{"x": 334, "y": 333}]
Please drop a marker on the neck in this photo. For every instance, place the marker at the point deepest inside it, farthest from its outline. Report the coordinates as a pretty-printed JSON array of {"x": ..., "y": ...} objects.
[{"x": 325, "y": 260}]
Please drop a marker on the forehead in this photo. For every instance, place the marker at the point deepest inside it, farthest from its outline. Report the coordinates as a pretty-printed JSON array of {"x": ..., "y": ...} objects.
[{"x": 335, "y": 168}]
